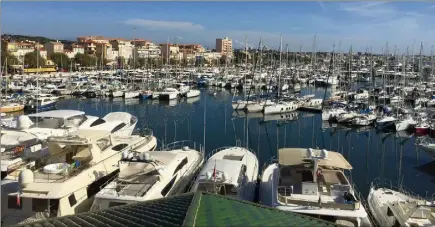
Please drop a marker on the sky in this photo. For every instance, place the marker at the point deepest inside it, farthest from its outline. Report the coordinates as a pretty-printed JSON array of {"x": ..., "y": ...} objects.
[{"x": 361, "y": 25}]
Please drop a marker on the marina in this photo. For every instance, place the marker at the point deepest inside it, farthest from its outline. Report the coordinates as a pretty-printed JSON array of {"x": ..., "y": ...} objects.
[
  {"x": 373, "y": 154},
  {"x": 104, "y": 130}
]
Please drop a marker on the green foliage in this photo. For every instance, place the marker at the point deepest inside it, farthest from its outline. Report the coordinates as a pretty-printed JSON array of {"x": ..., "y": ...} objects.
[
  {"x": 39, "y": 39},
  {"x": 120, "y": 60},
  {"x": 101, "y": 61},
  {"x": 223, "y": 60},
  {"x": 85, "y": 60},
  {"x": 141, "y": 62},
  {"x": 60, "y": 60},
  {"x": 34, "y": 60},
  {"x": 11, "y": 59}
]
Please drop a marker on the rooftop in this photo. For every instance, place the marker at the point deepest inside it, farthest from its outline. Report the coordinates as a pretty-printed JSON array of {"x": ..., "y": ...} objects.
[{"x": 190, "y": 209}]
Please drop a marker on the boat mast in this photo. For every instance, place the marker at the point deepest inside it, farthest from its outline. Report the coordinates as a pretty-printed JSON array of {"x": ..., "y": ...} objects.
[
  {"x": 37, "y": 73},
  {"x": 431, "y": 59},
  {"x": 279, "y": 71}
]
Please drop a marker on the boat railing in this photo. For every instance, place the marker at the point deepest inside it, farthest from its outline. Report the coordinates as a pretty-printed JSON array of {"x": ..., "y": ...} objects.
[
  {"x": 13, "y": 153},
  {"x": 144, "y": 132},
  {"x": 379, "y": 183},
  {"x": 285, "y": 198},
  {"x": 238, "y": 145},
  {"x": 360, "y": 197},
  {"x": 109, "y": 181},
  {"x": 182, "y": 144}
]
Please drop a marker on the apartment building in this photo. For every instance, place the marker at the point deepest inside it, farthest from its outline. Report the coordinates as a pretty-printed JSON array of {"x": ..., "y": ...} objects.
[
  {"x": 74, "y": 49},
  {"x": 105, "y": 51},
  {"x": 9, "y": 45},
  {"x": 42, "y": 51},
  {"x": 171, "y": 51},
  {"x": 123, "y": 47},
  {"x": 22, "y": 48},
  {"x": 54, "y": 47},
  {"x": 95, "y": 39},
  {"x": 224, "y": 46},
  {"x": 212, "y": 55},
  {"x": 146, "y": 49},
  {"x": 190, "y": 51}
]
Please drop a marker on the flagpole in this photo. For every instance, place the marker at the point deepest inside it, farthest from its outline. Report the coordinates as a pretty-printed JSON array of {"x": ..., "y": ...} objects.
[{"x": 214, "y": 177}]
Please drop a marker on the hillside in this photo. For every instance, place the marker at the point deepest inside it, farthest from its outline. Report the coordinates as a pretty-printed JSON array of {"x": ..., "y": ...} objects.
[{"x": 39, "y": 39}]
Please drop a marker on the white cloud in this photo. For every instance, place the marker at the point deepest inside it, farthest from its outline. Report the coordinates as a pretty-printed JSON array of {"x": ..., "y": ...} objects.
[
  {"x": 370, "y": 9},
  {"x": 164, "y": 25},
  {"x": 322, "y": 6}
]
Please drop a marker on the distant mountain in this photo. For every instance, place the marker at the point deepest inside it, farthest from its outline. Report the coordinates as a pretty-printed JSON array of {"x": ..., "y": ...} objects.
[{"x": 39, "y": 39}]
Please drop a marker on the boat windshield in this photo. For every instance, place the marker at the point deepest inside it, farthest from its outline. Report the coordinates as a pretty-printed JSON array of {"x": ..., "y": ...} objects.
[{"x": 57, "y": 123}]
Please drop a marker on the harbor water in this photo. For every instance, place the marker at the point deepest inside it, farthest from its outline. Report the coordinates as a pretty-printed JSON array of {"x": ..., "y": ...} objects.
[{"x": 372, "y": 154}]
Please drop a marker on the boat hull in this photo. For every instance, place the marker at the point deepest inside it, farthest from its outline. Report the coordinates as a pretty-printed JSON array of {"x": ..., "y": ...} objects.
[
  {"x": 10, "y": 109},
  {"x": 44, "y": 107}
]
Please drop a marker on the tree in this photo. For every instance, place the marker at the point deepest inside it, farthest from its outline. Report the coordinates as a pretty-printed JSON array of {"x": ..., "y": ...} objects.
[
  {"x": 85, "y": 60},
  {"x": 60, "y": 60},
  {"x": 34, "y": 60},
  {"x": 141, "y": 62},
  {"x": 11, "y": 59},
  {"x": 223, "y": 60},
  {"x": 101, "y": 61},
  {"x": 173, "y": 61}
]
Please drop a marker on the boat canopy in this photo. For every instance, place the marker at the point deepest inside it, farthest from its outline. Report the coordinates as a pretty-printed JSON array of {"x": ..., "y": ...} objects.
[
  {"x": 64, "y": 114},
  {"x": 298, "y": 156}
]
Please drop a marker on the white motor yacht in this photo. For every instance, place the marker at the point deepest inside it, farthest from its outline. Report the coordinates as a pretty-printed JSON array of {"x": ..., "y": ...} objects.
[
  {"x": 169, "y": 94},
  {"x": 312, "y": 182},
  {"x": 192, "y": 93},
  {"x": 150, "y": 175},
  {"x": 131, "y": 94},
  {"x": 66, "y": 181},
  {"x": 385, "y": 122},
  {"x": 230, "y": 171}
]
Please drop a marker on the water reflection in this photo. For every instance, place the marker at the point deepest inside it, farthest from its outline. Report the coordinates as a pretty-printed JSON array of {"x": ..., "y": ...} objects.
[{"x": 372, "y": 153}]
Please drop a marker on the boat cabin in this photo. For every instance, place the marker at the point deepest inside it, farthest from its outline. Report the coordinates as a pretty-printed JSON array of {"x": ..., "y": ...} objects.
[
  {"x": 224, "y": 176},
  {"x": 309, "y": 177},
  {"x": 145, "y": 176}
]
